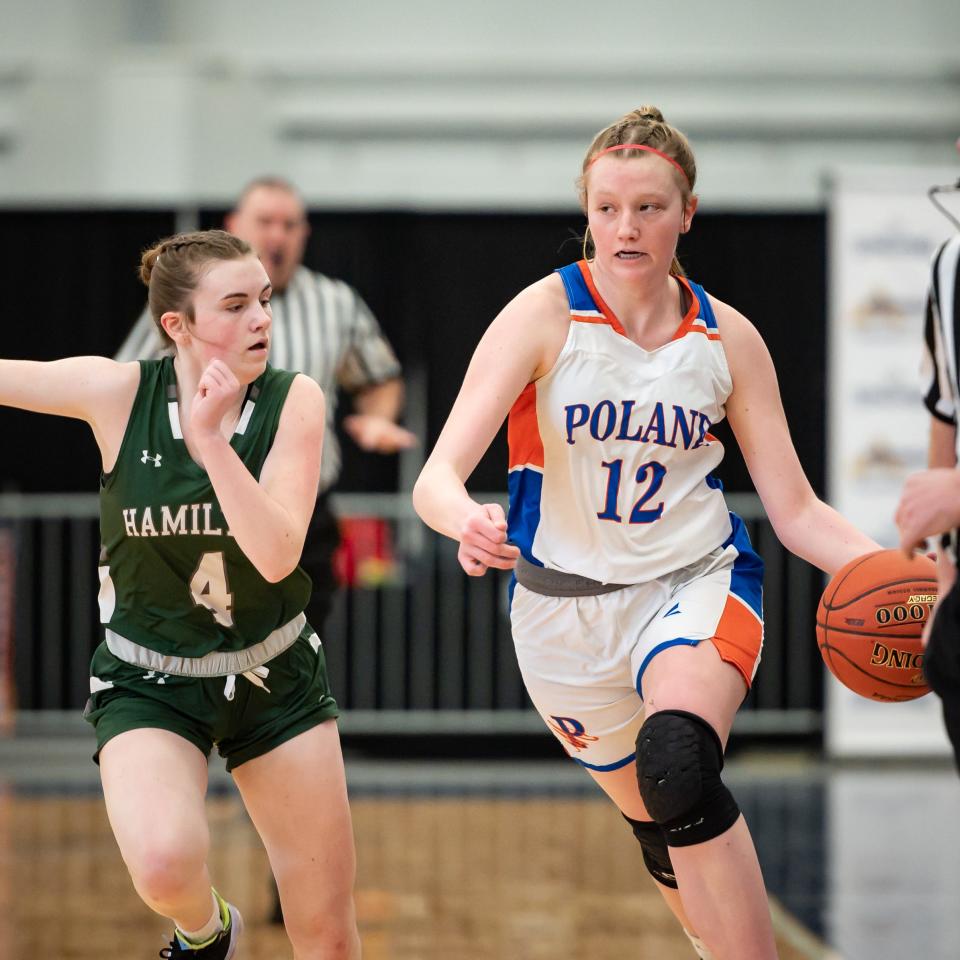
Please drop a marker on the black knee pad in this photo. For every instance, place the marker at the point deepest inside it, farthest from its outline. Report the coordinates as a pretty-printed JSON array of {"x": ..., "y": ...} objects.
[
  {"x": 679, "y": 759},
  {"x": 656, "y": 855}
]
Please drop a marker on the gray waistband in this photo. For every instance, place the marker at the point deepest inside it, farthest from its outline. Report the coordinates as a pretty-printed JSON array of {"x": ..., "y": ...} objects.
[
  {"x": 217, "y": 663},
  {"x": 553, "y": 583}
]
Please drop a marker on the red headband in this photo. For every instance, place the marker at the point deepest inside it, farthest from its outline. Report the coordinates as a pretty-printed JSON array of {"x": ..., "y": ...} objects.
[{"x": 640, "y": 146}]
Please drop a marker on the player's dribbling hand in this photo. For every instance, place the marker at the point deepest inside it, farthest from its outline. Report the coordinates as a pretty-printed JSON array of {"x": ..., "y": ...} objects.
[
  {"x": 483, "y": 541},
  {"x": 216, "y": 392}
]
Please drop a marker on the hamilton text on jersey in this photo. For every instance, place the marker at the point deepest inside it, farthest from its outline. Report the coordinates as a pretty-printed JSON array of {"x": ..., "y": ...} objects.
[{"x": 185, "y": 520}]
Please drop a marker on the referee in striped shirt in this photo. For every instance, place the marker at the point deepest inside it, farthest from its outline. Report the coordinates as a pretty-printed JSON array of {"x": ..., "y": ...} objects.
[
  {"x": 321, "y": 327},
  {"x": 930, "y": 502}
]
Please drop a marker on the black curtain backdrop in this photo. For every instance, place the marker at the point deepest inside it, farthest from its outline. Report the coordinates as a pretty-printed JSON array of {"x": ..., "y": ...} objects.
[
  {"x": 434, "y": 281},
  {"x": 71, "y": 288}
]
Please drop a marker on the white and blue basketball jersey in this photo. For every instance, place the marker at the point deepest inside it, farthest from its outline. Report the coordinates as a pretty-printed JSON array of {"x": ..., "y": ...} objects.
[{"x": 611, "y": 452}]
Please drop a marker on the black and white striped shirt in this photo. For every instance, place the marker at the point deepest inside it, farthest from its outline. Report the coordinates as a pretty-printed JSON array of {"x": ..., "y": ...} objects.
[
  {"x": 321, "y": 327},
  {"x": 942, "y": 338},
  {"x": 942, "y": 333}
]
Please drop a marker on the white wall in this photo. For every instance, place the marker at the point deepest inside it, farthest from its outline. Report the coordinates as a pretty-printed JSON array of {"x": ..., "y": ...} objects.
[{"x": 451, "y": 105}]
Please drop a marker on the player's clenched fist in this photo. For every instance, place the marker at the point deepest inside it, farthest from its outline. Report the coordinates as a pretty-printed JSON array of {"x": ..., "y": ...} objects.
[
  {"x": 483, "y": 541},
  {"x": 216, "y": 391}
]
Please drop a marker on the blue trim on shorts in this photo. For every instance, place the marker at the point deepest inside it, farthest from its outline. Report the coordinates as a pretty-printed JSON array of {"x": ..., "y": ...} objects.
[
  {"x": 676, "y": 642},
  {"x": 746, "y": 578},
  {"x": 606, "y": 767}
]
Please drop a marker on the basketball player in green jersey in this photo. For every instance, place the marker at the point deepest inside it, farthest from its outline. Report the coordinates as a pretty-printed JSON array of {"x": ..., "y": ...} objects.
[{"x": 211, "y": 461}]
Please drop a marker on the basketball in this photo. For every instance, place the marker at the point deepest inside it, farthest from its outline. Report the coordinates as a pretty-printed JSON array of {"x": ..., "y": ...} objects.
[{"x": 869, "y": 623}]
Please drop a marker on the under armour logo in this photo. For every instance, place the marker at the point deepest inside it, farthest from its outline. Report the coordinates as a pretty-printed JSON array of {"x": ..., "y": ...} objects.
[
  {"x": 152, "y": 675},
  {"x": 156, "y": 460}
]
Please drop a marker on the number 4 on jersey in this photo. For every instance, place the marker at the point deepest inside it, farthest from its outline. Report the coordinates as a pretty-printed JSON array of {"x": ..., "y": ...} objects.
[{"x": 208, "y": 587}]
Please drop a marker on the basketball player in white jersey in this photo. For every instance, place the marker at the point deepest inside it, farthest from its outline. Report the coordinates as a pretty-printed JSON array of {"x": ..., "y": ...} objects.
[{"x": 613, "y": 371}]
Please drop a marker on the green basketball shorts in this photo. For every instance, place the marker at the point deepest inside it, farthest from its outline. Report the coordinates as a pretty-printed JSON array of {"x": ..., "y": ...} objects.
[{"x": 245, "y": 716}]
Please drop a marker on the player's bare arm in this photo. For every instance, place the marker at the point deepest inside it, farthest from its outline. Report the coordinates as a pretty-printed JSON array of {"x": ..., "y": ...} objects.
[
  {"x": 520, "y": 346},
  {"x": 804, "y": 524},
  {"x": 97, "y": 390},
  {"x": 268, "y": 518}
]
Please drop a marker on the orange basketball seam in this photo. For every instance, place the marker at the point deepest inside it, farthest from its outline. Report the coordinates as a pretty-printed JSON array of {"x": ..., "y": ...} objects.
[
  {"x": 872, "y": 633},
  {"x": 863, "y": 559}
]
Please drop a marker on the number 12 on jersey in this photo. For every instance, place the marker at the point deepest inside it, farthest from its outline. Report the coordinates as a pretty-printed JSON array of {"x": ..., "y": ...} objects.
[{"x": 651, "y": 473}]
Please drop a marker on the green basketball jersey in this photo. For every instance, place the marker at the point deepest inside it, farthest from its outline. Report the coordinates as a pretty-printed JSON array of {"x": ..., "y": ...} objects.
[{"x": 173, "y": 579}]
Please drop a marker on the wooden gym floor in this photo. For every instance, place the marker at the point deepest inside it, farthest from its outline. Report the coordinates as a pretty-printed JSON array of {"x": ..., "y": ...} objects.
[
  {"x": 511, "y": 861},
  {"x": 473, "y": 879}
]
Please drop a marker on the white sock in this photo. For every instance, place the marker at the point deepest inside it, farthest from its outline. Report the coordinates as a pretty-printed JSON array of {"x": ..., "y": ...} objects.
[
  {"x": 198, "y": 938},
  {"x": 702, "y": 952}
]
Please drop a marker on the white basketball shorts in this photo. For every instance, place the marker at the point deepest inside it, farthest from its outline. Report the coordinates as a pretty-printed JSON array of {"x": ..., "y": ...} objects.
[{"x": 583, "y": 658}]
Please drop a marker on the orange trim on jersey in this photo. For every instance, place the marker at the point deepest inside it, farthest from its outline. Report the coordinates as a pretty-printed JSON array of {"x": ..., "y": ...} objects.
[
  {"x": 524, "y": 444},
  {"x": 609, "y": 316},
  {"x": 709, "y": 334},
  {"x": 686, "y": 324},
  {"x": 580, "y": 318},
  {"x": 739, "y": 638}
]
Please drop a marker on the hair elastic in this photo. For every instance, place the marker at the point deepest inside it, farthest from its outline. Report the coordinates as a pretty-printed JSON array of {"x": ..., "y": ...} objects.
[{"x": 639, "y": 146}]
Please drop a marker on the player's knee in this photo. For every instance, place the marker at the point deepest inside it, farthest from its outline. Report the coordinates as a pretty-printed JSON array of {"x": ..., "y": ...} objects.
[
  {"x": 324, "y": 928},
  {"x": 656, "y": 854},
  {"x": 160, "y": 874},
  {"x": 679, "y": 759},
  {"x": 325, "y": 939}
]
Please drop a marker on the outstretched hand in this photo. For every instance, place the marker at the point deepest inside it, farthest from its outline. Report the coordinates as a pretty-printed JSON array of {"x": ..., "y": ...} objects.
[
  {"x": 216, "y": 393},
  {"x": 929, "y": 505},
  {"x": 378, "y": 434},
  {"x": 483, "y": 541}
]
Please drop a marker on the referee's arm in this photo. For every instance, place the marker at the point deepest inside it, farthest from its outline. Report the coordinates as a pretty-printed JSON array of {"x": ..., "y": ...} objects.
[
  {"x": 942, "y": 450},
  {"x": 371, "y": 372}
]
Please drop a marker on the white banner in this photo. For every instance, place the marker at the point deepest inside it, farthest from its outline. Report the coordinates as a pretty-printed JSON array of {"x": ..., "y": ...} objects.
[{"x": 883, "y": 233}]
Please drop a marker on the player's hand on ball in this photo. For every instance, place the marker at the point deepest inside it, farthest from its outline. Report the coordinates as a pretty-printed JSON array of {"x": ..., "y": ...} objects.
[
  {"x": 483, "y": 541},
  {"x": 216, "y": 393}
]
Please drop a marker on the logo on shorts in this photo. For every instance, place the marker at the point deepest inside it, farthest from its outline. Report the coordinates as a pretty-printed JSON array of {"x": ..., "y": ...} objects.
[
  {"x": 573, "y": 731},
  {"x": 153, "y": 676}
]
